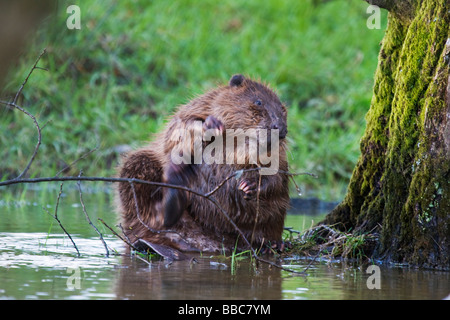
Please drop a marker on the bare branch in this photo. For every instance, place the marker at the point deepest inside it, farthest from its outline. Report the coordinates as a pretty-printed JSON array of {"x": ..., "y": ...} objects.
[
  {"x": 209, "y": 194},
  {"x": 55, "y": 216},
  {"x": 74, "y": 162},
  {"x": 88, "y": 219},
  {"x": 38, "y": 144},
  {"x": 257, "y": 209},
  {"x": 117, "y": 235},
  {"x": 38, "y": 128},
  {"x": 28, "y": 76}
]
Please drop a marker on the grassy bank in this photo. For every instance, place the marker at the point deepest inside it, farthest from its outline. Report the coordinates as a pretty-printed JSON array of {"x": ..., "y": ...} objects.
[{"x": 115, "y": 81}]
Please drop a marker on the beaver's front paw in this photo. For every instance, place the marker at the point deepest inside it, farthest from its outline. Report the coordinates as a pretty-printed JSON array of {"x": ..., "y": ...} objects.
[
  {"x": 212, "y": 123},
  {"x": 249, "y": 188}
]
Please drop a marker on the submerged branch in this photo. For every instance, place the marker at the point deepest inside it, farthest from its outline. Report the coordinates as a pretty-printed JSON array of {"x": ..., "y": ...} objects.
[
  {"x": 117, "y": 235},
  {"x": 55, "y": 216},
  {"x": 89, "y": 219}
]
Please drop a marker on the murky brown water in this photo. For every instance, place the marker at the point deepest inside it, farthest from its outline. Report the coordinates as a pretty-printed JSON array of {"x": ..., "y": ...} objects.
[{"x": 37, "y": 261}]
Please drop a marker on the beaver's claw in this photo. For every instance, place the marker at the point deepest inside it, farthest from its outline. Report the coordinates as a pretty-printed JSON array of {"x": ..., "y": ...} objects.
[
  {"x": 212, "y": 123},
  {"x": 249, "y": 188}
]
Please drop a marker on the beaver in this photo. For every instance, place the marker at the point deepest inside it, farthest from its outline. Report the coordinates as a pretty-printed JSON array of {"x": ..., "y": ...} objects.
[{"x": 255, "y": 202}]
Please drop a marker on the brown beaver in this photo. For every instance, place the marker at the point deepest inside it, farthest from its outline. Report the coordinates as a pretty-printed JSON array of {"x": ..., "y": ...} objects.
[{"x": 256, "y": 202}]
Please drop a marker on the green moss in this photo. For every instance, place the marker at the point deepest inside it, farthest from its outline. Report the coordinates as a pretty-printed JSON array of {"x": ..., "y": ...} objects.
[
  {"x": 420, "y": 102},
  {"x": 364, "y": 186},
  {"x": 401, "y": 181}
]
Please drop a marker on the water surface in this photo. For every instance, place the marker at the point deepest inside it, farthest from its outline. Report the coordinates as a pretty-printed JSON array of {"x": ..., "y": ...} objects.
[{"x": 38, "y": 261}]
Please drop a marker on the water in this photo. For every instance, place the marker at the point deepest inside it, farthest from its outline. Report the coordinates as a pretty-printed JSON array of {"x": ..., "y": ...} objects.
[{"x": 38, "y": 261}]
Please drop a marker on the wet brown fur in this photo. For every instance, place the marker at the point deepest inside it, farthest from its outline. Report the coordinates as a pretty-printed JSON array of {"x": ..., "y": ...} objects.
[{"x": 197, "y": 223}]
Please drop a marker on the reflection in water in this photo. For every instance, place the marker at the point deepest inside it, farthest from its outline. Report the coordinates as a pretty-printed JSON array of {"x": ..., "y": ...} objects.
[
  {"x": 35, "y": 266},
  {"x": 349, "y": 281},
  {"x": 36, "y": 260},
  {"x": 206, "y": 279}
]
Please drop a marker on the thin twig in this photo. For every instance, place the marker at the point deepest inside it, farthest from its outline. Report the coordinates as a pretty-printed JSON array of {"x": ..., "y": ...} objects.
[
  {"x": 235, "y": 174},
  {"x": 239, "y": 172},
  {"x": 124, "y": 233},
  {"x": 88, "y": 219},
  {"x": 74, "y": 162},
  {"x": 28, "y": 76},
  {"x": 298, "y": 173},
  {"x": 14, "y": 104},
  {"x": 38, "y": 144},
  {"x": 257, "y": 209},
  {"x": 117, "y": 235},
  {"x": 55, "y": 216},
  {"x": 104, "y": 179}
]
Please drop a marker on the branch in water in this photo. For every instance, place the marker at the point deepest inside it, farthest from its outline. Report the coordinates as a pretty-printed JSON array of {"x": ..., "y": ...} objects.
[
  {"x": 55, "y": 216},
  {"x": 89, "y": 219}
]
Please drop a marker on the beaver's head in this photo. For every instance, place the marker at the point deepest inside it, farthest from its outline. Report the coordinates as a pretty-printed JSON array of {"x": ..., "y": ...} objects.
[{"x": 251, "y": 104}]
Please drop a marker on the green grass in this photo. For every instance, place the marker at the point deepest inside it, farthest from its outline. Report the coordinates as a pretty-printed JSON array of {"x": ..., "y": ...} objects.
[
  {"x": 116, "y": 80},
  {"x": 330, "y": 243}
]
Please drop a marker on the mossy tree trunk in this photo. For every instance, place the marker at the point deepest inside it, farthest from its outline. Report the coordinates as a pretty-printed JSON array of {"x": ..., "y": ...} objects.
[{"x": 400, "y": 186}]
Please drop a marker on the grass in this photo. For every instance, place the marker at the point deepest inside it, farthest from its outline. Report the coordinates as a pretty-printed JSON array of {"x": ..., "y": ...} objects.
[
  {"x": 329, "y": 243},
  {"x": 115, "y": 81}
]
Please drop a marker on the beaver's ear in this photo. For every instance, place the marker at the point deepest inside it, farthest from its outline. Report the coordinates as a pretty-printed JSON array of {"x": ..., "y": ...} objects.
[{"x": 236, "y": 80}]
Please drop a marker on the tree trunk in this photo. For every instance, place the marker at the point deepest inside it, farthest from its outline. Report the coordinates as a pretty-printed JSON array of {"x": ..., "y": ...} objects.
[{"x": 400, "y": 186}]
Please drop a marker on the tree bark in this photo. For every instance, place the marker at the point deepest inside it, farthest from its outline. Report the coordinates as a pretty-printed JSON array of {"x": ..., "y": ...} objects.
[
  {"x": 400, "y": 187},
  {"x": 402, "y": 9}
]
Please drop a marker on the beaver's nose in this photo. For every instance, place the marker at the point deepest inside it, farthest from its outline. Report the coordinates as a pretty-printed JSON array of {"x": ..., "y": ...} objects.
[{"x": 282, "y": 132}]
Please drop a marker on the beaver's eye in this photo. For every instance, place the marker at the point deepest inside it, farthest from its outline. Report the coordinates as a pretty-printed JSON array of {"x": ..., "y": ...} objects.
[{"x": 258, "y": 103}]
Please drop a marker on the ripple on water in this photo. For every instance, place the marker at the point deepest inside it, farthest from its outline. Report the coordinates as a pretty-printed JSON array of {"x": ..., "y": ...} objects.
[{"x": 41, "y": 250}]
